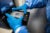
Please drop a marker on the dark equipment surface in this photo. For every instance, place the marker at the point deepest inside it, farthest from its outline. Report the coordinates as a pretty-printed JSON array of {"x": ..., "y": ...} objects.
[{"x": 26, "y": 18}]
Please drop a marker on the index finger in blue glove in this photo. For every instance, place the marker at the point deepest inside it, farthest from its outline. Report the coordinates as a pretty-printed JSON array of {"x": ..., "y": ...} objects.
[
  {"x": 20, "y": 7},
  {"x": 9, "y": 16}
]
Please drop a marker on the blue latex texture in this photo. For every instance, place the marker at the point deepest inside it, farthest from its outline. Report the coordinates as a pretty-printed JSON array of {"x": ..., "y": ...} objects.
[
  {"x": 29, "y": 4},
  {"x": 14, "y": 22},
  {"x": 23, "y": 7}
]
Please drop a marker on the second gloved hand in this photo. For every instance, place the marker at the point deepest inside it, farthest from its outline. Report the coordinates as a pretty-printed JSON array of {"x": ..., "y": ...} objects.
[{"x": 13, "y": 22}]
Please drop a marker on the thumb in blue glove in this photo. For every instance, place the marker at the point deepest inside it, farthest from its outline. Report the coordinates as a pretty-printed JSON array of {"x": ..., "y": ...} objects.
[
  {"x": 14, "y": 22},
  {"x": 23, "y": 7}
]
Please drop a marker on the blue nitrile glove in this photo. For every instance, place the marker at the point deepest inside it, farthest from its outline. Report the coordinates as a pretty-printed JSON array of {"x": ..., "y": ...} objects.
[
  {"x": 31, "y": 4},
  {"x": 14, "y": 22},
  {"x": 23, "y": 7}
]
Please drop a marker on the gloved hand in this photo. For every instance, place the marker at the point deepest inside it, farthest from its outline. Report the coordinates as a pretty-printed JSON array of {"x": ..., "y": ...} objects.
[
  {"x": 31, "y": 4},
  {"x": 23, "y": 7},
  {"x": 14, "y": 22}
]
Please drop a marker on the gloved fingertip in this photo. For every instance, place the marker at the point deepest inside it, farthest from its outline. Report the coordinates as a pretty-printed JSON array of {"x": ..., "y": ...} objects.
[
  {"x": 7, "y": 15},
  {"x": 13, "y": 9}
]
